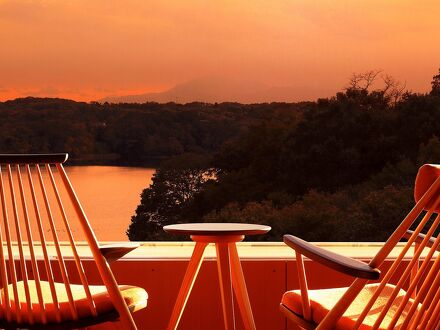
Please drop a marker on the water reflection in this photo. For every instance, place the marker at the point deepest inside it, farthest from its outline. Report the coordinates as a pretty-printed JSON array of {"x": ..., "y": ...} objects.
[{"x": 109, "y": 196}]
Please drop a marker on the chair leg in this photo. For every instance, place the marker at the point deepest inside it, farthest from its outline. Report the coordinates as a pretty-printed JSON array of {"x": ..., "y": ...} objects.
[
  {"x": 224, "y": 273},
  {"x": 187, "y": 284},
  {"x": 240, "y": 289}
]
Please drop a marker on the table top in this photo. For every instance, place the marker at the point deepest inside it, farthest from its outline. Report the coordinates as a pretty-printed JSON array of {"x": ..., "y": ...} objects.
[{"x": 217, "y": 229}]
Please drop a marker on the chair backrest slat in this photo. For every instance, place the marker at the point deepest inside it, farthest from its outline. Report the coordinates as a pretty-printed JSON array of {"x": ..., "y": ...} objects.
[
  {"x": 4, "y": 273},
  {"x": 405, "y": 277},
  {"x": 434, "y": 317},
  {"x": 22, "y": 260},
  {"x": 35, "y": 271},
  {"x": 4, "y": 280},
  {"x": 101, "y": 263},
  {"x": 404, "y": 226},
  {"x": 60, "y": 257},
  {"x": 78, "y": 263},
  {"x": 430, "y": 317},
  {"x": 391, "y": 271},
  {"x": 429, "y": 292},
  {"x": 12, "y": 272},
  {"x": 47, "y": 265},
  {"x": 425, "y": 285},
  {"x": 415, "y": 269}
]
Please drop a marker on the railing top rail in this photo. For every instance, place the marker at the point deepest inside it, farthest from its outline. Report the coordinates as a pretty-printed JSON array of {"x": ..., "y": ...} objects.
[{"x": 33, "y": 158}]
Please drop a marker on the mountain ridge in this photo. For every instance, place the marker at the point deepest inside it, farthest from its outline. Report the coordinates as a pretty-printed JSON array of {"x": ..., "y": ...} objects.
[{"x": 214, "y": 90}]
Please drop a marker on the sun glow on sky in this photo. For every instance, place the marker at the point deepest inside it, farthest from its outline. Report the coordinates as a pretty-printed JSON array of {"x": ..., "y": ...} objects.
[{"x": 87, "y": 49}]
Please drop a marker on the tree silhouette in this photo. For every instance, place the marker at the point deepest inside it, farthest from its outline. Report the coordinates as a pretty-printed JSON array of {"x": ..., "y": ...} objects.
[
  {"x": 164, "y": 202},
  {"x": 436, "y": 85}
]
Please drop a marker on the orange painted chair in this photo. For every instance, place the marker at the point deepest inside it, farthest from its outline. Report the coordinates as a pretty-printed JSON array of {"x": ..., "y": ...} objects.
[
  {"x": 39, "y": 289},
  {"x": 413, "y": 301}
]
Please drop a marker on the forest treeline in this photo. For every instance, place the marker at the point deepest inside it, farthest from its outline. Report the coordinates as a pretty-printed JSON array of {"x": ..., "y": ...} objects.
[
  {"x": 338, "y": 169},
  {"x": 137, "y": 134}
]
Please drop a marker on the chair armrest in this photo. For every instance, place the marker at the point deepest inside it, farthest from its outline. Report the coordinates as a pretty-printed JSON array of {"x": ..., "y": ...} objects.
[
  {"x": 420, "y": 238},
  {"x": 113, "y": 252},
  {"x": 332, "y": 260}
]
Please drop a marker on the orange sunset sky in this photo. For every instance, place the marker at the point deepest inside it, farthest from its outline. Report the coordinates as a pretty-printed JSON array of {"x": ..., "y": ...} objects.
[{"x": 297, "y": 50}]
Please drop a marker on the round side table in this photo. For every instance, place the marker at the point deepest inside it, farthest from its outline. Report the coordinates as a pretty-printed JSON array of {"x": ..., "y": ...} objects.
[{"x": 230, "y": 273}]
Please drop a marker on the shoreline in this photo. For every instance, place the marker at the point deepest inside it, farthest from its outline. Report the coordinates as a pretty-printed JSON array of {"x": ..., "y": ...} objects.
[{"x": 112, "y": 160}]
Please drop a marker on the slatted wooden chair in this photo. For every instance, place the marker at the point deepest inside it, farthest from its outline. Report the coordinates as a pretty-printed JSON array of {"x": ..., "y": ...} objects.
[
  {"x": 373, "y": 301},
  {"x": 37, "y": 282}
]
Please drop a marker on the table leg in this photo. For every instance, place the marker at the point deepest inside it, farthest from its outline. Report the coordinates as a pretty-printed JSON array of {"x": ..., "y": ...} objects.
[
  {"x": 187, "y": 284},
  {"x": 240, "y": 289},
  {"x": 224, "y": 274}
]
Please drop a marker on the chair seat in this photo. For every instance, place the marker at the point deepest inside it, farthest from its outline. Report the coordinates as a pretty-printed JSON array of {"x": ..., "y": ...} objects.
[
  {"x": 135, "y": 298},
  {"x": 321, "y": 301}
]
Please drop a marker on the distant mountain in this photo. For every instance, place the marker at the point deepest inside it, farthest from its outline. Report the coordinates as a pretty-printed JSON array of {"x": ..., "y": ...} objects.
[{"x": 217, "y": 89}]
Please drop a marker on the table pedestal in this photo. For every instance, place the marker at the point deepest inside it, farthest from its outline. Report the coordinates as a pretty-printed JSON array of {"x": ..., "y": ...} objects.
[{"x": 230, "y": 277}]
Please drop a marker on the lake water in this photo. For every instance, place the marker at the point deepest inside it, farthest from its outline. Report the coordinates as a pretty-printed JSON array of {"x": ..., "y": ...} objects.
[{"x": 109, "y": 196}]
